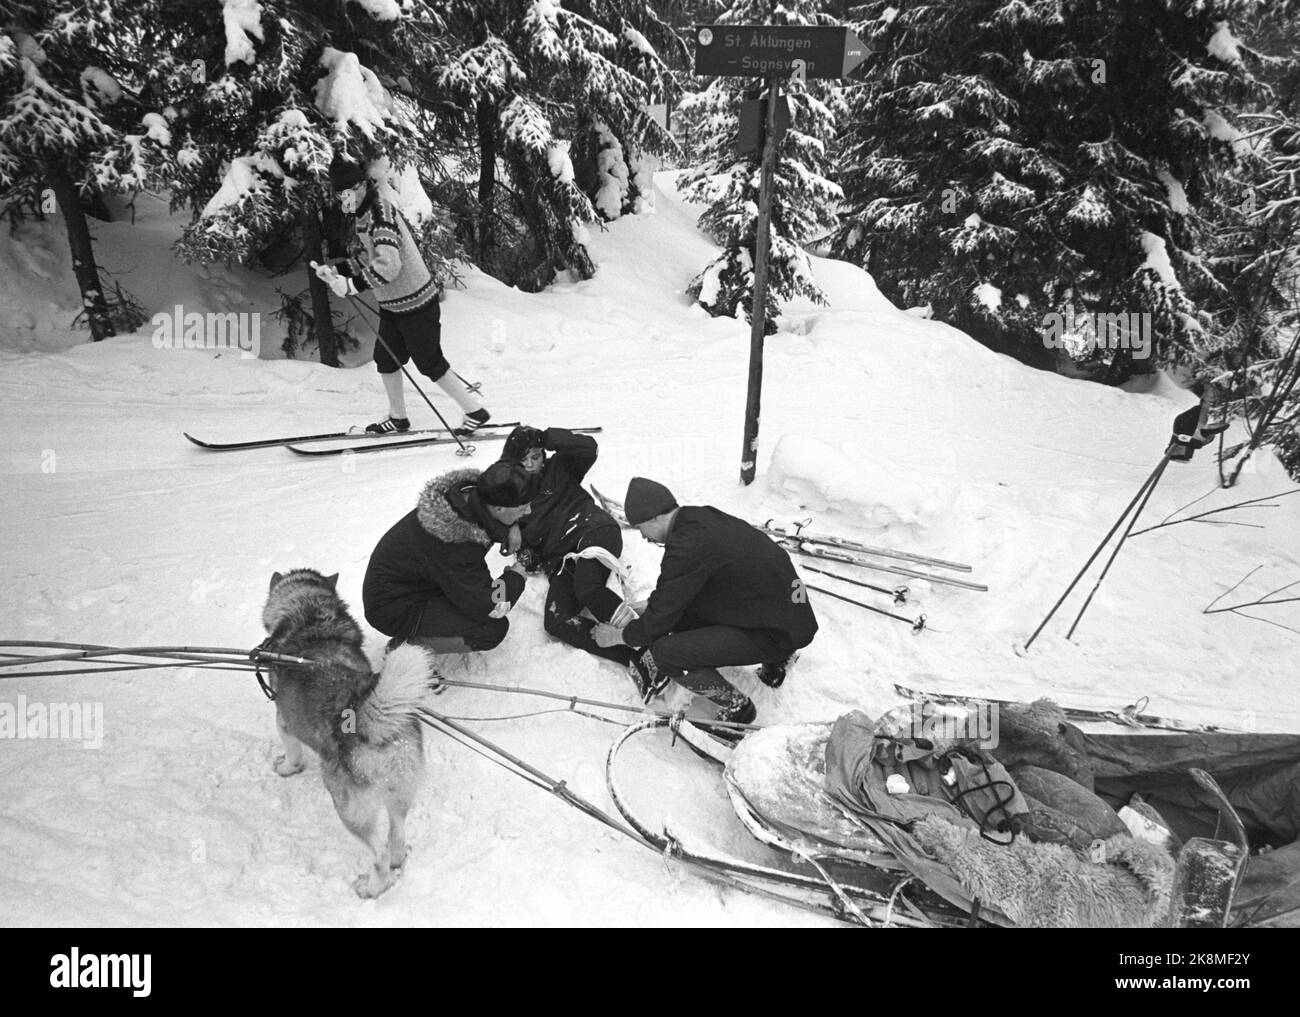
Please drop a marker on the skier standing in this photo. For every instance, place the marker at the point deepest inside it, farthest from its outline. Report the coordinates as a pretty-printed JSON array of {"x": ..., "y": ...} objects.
[{"x": 410, "y": 321}]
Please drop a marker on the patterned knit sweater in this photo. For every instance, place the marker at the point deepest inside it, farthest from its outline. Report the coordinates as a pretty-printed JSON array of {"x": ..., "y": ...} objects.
[{"x": 391, "y": 263}]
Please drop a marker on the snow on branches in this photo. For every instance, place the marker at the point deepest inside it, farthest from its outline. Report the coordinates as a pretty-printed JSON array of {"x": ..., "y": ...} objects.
[
  {"x": 804, "y": 197},
  {"x": 243, "y": 24},
  {"x": 350, "y": 94}
]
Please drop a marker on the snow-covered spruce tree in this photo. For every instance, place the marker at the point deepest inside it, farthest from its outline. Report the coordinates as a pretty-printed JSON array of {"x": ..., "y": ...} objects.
[
  {"x": 1020, "y": 165},
  {"x": 528, "y": 76},
  {"x": 73, "y": 127},
  {"x": 267, "y": 92},
  {"x": 614, "y": 163},
  {"x": 1255, "y": 250},
  {"x": 804, "y": 198}
]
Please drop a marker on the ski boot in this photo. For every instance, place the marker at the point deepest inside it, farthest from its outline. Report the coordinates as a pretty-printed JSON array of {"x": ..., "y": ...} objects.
[
  {"x": 737, "y": 709},
  {"x": 647, "y": 677},
  {"x": 772, "y": 675},
  {"x": 471, "y": 422},
  {"x": 389, "y": 425}
]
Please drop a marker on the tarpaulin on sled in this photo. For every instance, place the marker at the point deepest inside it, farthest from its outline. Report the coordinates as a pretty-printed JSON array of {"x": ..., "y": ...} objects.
[{"x": 1260, "y": 773}]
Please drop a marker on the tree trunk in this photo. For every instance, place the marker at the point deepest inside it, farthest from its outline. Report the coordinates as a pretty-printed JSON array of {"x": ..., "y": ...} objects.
[
  {"x": 322, "y": 320},
  {"x": 83, "y": 257},
  {"x": 487, "y": 170}
]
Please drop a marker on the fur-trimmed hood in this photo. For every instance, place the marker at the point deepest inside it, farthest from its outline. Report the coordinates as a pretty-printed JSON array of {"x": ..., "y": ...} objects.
[{"x": 439, "y": 519}]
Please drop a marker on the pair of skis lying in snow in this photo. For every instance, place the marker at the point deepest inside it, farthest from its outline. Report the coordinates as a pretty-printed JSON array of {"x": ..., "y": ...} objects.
[
  {"x": 336, "y": 443},
  {"x": 811, "y": 547}
]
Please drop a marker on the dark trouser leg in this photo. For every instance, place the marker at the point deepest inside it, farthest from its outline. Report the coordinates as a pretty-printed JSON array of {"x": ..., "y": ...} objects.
[
  {"x": 692, "y": 657},
  {"x": 563, "y": 621},
  {"x": 590, "y": 576},
  {"x": 421, "y": 332},
  {"x": 390, "y": 348},
  {"x": 443, "y": 628}
]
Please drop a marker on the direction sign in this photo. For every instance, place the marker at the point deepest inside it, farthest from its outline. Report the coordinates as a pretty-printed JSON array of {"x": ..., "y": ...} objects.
[{"x": 759, "y": 51}]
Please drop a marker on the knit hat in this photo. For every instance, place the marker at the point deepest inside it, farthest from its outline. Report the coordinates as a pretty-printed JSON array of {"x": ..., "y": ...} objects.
[
  {"x": 646, "y": 499},
  {"x": 346, "y": 173},
  {"x": 505, "y": 485}
]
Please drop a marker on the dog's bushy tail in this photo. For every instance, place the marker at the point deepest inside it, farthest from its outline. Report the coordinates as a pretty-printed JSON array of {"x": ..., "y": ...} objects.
[{"x": 405, "y": 678}]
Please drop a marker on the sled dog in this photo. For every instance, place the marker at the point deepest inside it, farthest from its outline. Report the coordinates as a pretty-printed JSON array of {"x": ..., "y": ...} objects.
[{"x": 363, "y": 725}]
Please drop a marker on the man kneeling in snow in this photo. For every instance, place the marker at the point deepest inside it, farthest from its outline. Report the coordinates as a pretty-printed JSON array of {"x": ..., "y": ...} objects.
[
  {"x": 427, "y": 582},
  {"x": 726, "y": 595}
]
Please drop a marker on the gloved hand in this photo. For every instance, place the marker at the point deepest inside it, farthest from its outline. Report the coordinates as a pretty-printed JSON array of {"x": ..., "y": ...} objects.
[
  {"x": 330, "y": 276},
  {"x": 527, "y": 558}
]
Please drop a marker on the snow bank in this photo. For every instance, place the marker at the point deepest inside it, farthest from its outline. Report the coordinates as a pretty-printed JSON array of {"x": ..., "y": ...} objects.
[{"x": 865, "y": 489}]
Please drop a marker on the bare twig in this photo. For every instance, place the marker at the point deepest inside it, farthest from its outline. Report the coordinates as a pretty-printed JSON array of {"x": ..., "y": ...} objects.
[
  {"x": 1207, "y": 609},
  {"x": 1255, "y": 502}
]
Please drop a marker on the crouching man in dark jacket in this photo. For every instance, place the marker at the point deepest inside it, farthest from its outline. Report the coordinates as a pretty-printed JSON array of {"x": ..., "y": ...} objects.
[
  {"x": 427, "y": 582},
  {"x": 727, "y": 595}
]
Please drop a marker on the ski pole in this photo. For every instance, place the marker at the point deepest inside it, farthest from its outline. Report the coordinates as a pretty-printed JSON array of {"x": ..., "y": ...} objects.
[
  {"x": 476, "y": 386},
  {"x": 917, "y": 623},
  {"x": 899, "y": 593},
  {"x": 1151, "y": 486},
  {"x": 1104, "y": 541},
  {"x": 464, "y": 450}
]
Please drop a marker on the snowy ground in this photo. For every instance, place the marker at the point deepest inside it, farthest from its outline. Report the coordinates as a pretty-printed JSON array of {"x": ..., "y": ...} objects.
[{"x": 878, "y": 424}]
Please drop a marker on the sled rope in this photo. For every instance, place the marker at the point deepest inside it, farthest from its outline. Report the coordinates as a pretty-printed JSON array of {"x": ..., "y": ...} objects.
[
  {"x": 573, "y": 700},
  {"x": 218, "y": 657},
  {"x": 540, "y": 713}
]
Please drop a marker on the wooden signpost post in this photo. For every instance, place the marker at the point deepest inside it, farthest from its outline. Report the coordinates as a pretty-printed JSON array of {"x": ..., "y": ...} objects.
[{"x": 774, "y": 52}]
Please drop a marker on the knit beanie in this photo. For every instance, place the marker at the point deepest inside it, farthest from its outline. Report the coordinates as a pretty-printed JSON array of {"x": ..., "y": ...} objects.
[
  {"x": 346, "y": 173},
  {"x": 505, "y": 485},
  {"x": 647, "y": 499}
]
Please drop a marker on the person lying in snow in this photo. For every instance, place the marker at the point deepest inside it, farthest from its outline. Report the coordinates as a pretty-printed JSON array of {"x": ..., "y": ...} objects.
[
  {"x": 410, "y": 321},
  {"x": 567, "y": 535},
  {"x": 427, "y": 582},
  {"x": 726, "y": 595}
]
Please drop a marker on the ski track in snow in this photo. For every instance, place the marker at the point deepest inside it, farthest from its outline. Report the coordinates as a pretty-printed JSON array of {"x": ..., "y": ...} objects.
[{"x": 121, "y": 532}]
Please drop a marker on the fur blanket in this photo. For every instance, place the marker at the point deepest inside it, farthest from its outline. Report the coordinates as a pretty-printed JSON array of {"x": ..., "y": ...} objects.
[{"x": 1049, "y": 886}]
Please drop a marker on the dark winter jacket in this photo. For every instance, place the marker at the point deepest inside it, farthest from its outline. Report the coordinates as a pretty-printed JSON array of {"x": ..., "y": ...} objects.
[
  {"x": 562, "y": 510},
  {"x": 434, "y": 553},
  {"x": 719, "y": 570}
]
